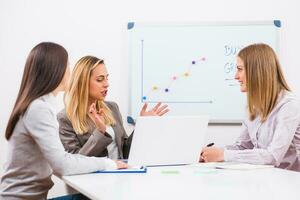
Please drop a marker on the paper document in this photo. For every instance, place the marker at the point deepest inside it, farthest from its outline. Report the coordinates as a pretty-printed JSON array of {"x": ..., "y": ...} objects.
[{"x": 242, "y": 166}]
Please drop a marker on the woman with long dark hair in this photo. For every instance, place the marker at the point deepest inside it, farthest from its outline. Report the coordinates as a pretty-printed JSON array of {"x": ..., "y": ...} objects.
[{"x": 34, "y": 147}]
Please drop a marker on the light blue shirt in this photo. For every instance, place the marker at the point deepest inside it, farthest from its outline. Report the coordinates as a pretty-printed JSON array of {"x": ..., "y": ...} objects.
[{"x": 274, "y": 142}]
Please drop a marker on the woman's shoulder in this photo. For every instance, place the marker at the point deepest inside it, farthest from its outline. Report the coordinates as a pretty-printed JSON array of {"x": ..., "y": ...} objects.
[
  {"x": 39, "y": 111},
  {"x": 39, "y": 107},
  {"x": 290, "y": 98},
  {"x": 112, "y": 105},
  {"x": 62, "y": 115},
  {"x": 289, "y": 102}
]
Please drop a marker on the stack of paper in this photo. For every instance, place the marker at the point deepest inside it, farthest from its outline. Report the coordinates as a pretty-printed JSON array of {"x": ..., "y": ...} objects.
[{"x": 242, "y": 166}]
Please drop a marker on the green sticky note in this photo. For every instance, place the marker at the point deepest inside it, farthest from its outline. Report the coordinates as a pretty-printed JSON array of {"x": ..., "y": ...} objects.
[{"x": 170, "y": 172}]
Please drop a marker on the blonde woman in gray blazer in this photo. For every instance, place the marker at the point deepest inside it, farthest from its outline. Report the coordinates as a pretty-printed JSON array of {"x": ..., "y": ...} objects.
[{"x": 89, "y": 125}]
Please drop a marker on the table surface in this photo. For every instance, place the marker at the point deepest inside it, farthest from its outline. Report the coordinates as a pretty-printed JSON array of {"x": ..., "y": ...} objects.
[{"x": 189, "y": 182}]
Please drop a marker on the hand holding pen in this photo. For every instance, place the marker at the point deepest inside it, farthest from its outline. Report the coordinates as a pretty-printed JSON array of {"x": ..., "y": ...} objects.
[
  {"x": 212, "y": 154},
  {"x": 201, "y": 158}
]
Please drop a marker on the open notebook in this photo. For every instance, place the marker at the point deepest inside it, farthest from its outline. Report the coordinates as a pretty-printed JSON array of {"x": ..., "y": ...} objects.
[
  {"x": 242, "y": 166},
  {"x": 230, "y": 165}
]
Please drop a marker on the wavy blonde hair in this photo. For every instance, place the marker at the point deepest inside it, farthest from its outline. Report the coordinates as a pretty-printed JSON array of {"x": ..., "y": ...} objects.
[
  {"x": 264, "y": 79},
  {"x": 77, "y": 96}
]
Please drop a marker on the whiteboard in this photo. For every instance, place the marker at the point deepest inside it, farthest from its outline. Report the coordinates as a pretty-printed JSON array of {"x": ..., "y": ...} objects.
[{"x": 191, "y": 67}]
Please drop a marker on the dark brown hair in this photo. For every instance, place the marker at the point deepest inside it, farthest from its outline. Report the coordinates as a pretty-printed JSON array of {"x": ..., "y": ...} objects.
[{"x": 44, "y": 70}]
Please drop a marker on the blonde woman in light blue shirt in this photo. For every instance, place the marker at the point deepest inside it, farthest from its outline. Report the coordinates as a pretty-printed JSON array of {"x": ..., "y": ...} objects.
[{"x": 271, "y": 134}]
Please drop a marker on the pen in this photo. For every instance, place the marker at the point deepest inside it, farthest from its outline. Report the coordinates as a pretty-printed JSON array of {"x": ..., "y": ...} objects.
[{"x": 210, "y": 144}]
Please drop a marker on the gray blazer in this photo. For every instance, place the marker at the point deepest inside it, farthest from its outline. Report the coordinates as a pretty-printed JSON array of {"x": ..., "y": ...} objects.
[{"x": 94, "y": 143}]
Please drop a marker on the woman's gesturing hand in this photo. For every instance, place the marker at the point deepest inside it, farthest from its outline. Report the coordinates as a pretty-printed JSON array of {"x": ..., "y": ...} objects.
[{"x": 157, "y": 110}]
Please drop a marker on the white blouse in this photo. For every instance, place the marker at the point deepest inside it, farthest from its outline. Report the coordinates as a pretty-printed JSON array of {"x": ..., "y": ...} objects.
[{"x": 274, "y": 142}]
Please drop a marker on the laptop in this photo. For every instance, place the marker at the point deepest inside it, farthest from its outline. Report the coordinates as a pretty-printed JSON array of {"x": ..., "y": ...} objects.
[{"x": 167, "y": 140}]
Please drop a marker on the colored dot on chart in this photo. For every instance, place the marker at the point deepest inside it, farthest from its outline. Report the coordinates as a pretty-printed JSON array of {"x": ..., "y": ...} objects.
[
  {"x": 174, "y": 77},
  {"x": 154, "y": 88},
  {"x": 144, "y": 97},
  {"x": 203, "y": 59},
  {"x": 186, "y": 74},
  {"x": 193, "y": 62},
  {"x": 166, "y": 90}
]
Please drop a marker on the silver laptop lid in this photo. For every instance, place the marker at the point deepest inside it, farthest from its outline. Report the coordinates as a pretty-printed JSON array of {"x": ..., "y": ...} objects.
[{"x": 167, "y": 140}]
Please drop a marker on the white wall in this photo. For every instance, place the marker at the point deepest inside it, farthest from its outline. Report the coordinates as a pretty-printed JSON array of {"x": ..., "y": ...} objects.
[{"x": 98, "y": 27}]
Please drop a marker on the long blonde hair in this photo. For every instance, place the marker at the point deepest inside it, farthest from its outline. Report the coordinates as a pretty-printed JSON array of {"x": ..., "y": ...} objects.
[
  {"x": 264, "y": 79},
  {"x": 77, "y": 96}
]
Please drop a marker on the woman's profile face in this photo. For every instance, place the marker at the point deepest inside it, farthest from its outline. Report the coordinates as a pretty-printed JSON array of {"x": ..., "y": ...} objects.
[
  {"x": 240, "y": 74},
  {"x": 98, "y": 86}
]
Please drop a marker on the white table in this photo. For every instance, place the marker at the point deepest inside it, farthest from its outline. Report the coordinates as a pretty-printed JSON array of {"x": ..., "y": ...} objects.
[{"x": 190, "y": 182}]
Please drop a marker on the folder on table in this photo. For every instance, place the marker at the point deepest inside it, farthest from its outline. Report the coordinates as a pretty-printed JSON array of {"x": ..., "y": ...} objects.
[{"x": 129, "y": 170}]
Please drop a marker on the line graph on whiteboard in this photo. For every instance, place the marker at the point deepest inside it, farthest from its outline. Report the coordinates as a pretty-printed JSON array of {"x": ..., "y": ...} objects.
[
  {"x": 174, "y": 81},
  {"x": 178, "y": 80}
]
